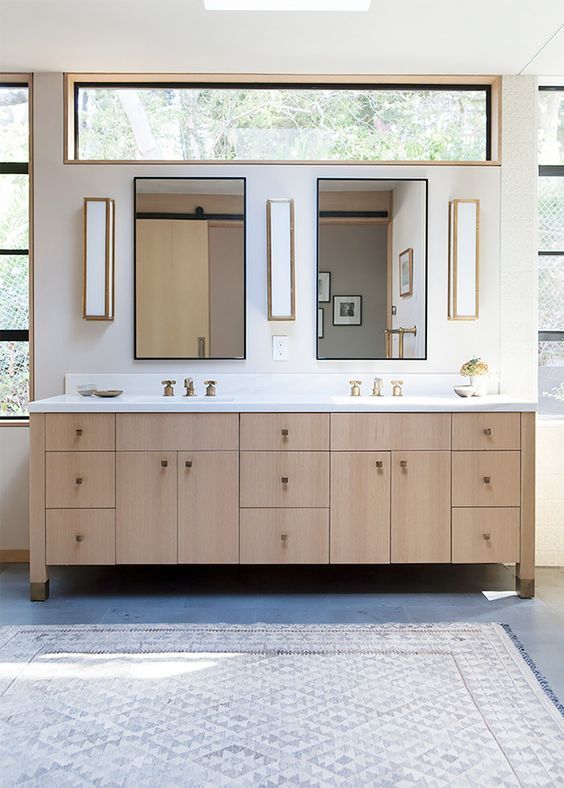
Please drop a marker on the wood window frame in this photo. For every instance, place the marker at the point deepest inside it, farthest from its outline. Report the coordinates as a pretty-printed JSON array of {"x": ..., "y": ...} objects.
[
  {"x": 26, "y": 80},
  {"x": 492, "y": 83}
]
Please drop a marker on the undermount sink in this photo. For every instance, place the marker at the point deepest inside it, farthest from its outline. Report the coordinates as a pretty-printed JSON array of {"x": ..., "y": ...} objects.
[
  {"x": 362, "y": 400},
  {"x": 177, "y": 399}
]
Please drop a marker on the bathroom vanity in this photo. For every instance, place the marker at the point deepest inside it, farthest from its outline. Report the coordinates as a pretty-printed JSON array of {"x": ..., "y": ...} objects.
[{"x": 145, "y": 481}]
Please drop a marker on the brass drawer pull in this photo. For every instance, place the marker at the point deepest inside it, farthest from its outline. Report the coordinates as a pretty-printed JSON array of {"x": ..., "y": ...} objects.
[
  {"x": 379, "y": 464},
  {"x": 78, "y": 433},
  {"x": 285, "y": 433},
  {"x": 403, "y": 464},
  {"x": 488, "y": 431},
  {"x": 188, "y": 463},
  {"x": 487, "y": 479},
  {"x": 79, "y": 479},
  {"x": 487, "y": 537},
  {"x": 284, "y": 480},
  {"x": 164, "y": 463},
  {"x": 79, "y": 538},
  {"x": 284, "y": 539}
]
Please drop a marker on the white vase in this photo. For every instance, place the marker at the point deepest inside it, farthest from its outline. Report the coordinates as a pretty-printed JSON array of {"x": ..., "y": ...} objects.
[{"x": 480, "y": 383}]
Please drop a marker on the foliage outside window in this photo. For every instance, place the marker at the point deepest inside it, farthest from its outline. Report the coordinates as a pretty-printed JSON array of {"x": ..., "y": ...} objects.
[
  {"x": 551, "y": 251},
  {"x": 289, "y": 123},
  {"x": 14, "y": 251}
]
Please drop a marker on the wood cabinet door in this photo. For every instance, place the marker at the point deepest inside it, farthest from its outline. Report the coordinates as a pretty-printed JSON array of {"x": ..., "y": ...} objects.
[
  {"x": 360, "y": 508},
  {"x": 146, "y": 507},
  {"x": 421, "y": 507},
  {"x": 208, "y": 507}
]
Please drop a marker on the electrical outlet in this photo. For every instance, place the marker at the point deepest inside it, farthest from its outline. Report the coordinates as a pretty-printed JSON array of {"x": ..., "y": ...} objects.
[{"x": 280, "y": 348}]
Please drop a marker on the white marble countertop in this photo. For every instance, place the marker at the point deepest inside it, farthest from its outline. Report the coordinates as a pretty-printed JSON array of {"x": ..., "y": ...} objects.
[{"x": 140, "y": 403}]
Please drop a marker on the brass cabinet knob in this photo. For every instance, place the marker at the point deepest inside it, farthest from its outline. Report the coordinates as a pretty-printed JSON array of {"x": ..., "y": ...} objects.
[
  {"x": 164, "y": 463},
  {"x": 379, "y": 464},
  {"x": 285, "y": 433},
  {"x": 188, "y": 463},
  {"x": 284, "y": 480},
  {"x": 79, "y": 479},
  {"x": 78, "y": 433},
  {"x": 284, "y": 539},
  {"x": 487, "y": 479},
  {"x": 488, "y": 431},
  {"x": 487, "y": 537},
  {"x": 79, "y": 538},
  {"x": 403, "y": 464}
]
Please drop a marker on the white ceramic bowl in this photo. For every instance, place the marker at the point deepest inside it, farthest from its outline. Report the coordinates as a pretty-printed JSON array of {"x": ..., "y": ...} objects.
[
  {"x": 465, "y": 391},
  {"x": 86, "y": 390}
]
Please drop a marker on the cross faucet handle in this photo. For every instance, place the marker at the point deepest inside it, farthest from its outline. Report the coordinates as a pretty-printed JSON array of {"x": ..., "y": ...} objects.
[
  {"x": 210, "y": 387},
  {"x": 168, "y": 387}
]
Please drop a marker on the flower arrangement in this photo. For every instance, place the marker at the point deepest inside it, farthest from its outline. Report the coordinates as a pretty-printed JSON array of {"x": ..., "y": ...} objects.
[{"x": 474, "y": 367}]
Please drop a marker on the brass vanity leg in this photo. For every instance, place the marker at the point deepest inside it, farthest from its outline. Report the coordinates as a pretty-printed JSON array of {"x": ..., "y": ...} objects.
[
  {"x": 525, "y": 588},
  {"x": 525, "y": 569},
  {"x": 39, "y": 592}
]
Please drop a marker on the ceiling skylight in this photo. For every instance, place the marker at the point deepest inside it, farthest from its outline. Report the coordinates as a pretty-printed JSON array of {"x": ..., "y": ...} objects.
[{"x": 287, "y": 5}]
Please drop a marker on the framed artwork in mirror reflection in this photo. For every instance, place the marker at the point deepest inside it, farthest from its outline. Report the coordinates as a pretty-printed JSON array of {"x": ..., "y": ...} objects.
[
  {"x": 347, "y": 310},
  {"x": 323, "y": 287}
]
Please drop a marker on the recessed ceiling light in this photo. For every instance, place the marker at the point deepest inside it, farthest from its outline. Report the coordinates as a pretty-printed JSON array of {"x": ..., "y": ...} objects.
[{"x": 287, "y": 5}]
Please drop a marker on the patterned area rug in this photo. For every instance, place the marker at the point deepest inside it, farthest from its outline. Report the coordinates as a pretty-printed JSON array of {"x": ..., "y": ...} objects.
[{"x": 267, "y": 705}]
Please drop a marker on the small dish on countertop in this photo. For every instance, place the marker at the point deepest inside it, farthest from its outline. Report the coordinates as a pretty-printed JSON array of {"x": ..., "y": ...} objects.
[
  {"x": 465, "y": 391},
  {"x": 108, "y": 393},
  {"x": 87, "y": 389}
]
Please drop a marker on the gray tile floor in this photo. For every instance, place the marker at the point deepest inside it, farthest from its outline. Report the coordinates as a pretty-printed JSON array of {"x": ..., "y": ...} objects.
[{"x": 331, "y": 595}]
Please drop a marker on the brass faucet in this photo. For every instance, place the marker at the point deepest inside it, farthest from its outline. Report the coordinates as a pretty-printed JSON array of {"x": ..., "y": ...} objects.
[
  {"x": 377, "y": 387},
  {"x": 210, "y": 387},
  {"x": 355, "y": 387},
  {"x": 189, "y": 386},
  {"x": 396, "y": 388},
  {"x": 168, "y": 387}
]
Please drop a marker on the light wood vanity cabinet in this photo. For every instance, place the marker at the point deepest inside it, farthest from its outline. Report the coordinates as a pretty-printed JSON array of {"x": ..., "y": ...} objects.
[
  {"x": 420, "y": 507},
  {"x": 146, "y": 507},
  {"x": 282, "y": 488},
  {"x": 360, "y": 507},
  {"x": 208, "y": 507}
]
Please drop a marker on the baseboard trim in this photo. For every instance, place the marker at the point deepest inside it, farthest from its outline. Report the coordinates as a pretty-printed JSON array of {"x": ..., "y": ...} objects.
[{"x": 14, "y": 556}]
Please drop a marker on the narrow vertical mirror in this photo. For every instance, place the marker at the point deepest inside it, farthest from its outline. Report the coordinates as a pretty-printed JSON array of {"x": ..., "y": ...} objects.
[
  {"x": 372, "y": 268},
  {"x": 98, "y": 286},
  {"x": 464, "y": 256},
  {"x": 189, "y": 268},
  {"x": 280, "y": 252}
]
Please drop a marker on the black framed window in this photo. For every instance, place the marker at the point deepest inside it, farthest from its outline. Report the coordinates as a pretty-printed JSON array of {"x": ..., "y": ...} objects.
[
  {"x": 188, "y": 121},
  {"x": 14, "y": 251},
  {"x": 551, "y": 251}
]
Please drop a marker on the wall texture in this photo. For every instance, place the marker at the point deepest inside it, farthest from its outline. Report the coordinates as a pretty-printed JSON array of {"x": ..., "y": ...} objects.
[{"x": 66, "y": 343}]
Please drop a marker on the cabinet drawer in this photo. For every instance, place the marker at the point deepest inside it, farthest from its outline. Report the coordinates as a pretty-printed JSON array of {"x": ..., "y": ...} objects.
[
  {"x": 177, "y": 431},
  {"x": 485, "y": 536},
  {"x": 390, "y": 431},
  {"x": 81, "y": 536},
  {"x": 80, "y": 432},
  {"x": 80, "y": 480},
  {"x": 486, "y": 478},
  {"x": 284, "y": 478},
  {"x": 486, "y": 431},
  {"x": 285, "y": 431},
  {"x": 284, "y": 536}
]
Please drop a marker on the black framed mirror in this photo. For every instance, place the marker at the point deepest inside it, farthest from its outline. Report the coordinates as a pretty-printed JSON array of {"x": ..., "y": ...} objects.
[
  {"x": 372, "y": 268},
  {"x": 190, "y": 264}
]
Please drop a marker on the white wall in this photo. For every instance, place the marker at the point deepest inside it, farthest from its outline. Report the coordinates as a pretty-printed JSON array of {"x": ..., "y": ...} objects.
[
  {"x": 14, "y": 484},
  {"x": 409, "y": 233},
  {"x": 66, "y": 343}
]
